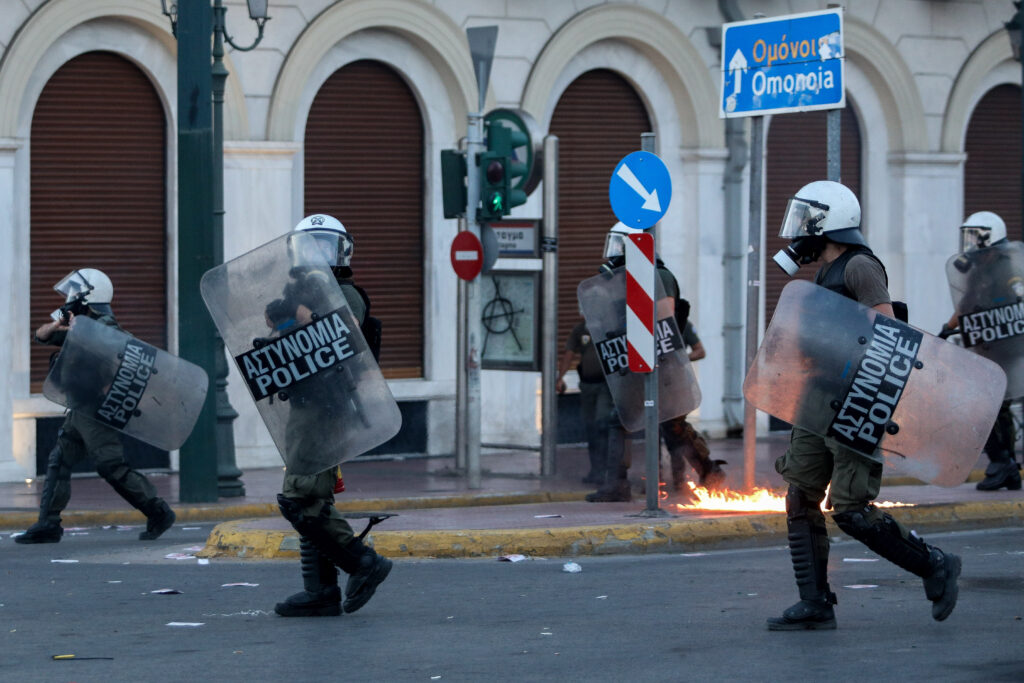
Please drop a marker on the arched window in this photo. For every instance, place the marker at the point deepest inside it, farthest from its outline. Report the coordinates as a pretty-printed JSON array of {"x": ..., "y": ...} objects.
[
  {"x": 992, "y": 172},
  {"x": 598, "y": 120},
  {"x": 364, "y": 166},
  {"x": 98, "y": 193},
  {"x": 797, "y": 154}
]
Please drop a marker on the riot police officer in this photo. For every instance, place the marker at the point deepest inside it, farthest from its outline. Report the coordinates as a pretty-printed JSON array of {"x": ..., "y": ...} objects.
[
  {"x": 823, "y": 222},
  {"x": 88, "y": 292},
  {"x": 678, "y": 434},
  {"x": 307, "y": 501},
  {"x": 982, "y": 230}
]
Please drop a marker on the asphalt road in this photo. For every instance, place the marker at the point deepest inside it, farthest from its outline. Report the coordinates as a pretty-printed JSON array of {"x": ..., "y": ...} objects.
[{"x": 696, "y": 617}]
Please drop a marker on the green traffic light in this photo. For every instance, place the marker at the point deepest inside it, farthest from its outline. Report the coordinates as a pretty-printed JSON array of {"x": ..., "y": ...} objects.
[{"x": 497, "y": 203}]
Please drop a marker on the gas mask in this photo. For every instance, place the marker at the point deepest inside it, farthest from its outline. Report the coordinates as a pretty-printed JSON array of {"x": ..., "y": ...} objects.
[{"x": 800, "y": 251}]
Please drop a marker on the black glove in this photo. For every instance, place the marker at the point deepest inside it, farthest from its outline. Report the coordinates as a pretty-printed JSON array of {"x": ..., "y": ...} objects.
[{"x": 948, "y": 331}]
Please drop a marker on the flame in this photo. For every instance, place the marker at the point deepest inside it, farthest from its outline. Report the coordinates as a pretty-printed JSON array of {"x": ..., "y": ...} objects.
[{"x": 759, "y": 500}]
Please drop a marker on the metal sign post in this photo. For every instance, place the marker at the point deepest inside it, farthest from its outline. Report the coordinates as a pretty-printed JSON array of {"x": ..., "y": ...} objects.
[
  {"x": 778, "y": 65},
  {"x": 639, "y": 193},
  {"x": 481, "y": 46},
  {"x": 549, "y": 327}
]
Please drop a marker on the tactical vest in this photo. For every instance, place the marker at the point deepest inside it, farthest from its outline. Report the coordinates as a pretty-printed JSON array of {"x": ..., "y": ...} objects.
[{"x": 834, "y": 277}]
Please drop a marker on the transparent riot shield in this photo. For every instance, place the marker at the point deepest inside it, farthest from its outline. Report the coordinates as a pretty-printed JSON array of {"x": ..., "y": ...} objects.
[
  {"x": 603, "y": 300},
  {"x": 110, "y": 376},
  {"x": 299, "y": 349},
  {"x": 987, "y": 286},
  {"x": 878, "y": 386}
]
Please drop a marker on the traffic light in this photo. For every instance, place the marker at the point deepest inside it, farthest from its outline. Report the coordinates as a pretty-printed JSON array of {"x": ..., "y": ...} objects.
[
  {"x": 499, "y": 170},
  {"x": 453, "y": 182}
]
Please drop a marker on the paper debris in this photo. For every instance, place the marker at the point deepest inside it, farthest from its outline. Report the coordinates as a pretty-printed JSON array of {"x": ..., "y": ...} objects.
[
  {"x": 512, "y": 558},
  {"x": 572, "y": 568},
  {"x": 166, "y": 591},
  {"x": 203, "y": 560},
  {"x": 186, "y": 623},
  {"x": 860, "y": 559},
  {"x": 191, "y": 528},
  {"x": 248, "y": 585},
  {"x": 116, "y": 581},
  {"x": 860, "y": 586},
  {"x": 179, "y": 556},
  {"x": 546, "y": 516},
  {"x": 602, "y": 597},
  {"x": 64, "y": 561}
]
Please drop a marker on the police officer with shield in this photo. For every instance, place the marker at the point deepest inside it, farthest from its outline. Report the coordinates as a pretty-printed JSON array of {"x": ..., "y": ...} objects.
[
  {"x": 823, "y": 221},
  {"x": 88, "y": 292},
  {"x": 307, "y": 500},
  {"x": 676, "y": 431},
  {"x": 988, "y": 275}
]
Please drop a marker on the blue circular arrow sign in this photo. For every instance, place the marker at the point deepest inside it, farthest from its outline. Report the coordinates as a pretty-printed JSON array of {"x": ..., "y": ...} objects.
[{"x": 640, "y": 190}]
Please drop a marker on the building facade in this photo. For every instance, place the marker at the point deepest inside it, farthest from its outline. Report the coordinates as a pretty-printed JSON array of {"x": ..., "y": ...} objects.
[{"x": 344, "y": 107}]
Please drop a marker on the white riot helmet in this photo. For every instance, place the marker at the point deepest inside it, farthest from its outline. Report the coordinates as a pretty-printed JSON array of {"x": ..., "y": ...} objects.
[
  {"x": 89, "y": 285},
  {"x": 615, "y": 241},
  {"x": 980, "y": 230},
  {"x": 820, "y": 211},
  {"x": 330, "y": 240},
  {"x": 84, "y": 287}
]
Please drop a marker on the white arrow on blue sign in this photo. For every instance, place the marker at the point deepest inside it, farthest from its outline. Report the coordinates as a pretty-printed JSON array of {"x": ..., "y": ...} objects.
[
  {"x": 783, "y": 64},
  {"x": 640, "y": 190}
]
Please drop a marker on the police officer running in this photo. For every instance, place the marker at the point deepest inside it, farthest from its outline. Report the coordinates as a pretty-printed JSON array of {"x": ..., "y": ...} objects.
[
  {"x": 980, "y": 231},
  {"x": 307, "y": 501},
  {"x": 89, "y": 292},
  {"x": 823, "y": 221}
]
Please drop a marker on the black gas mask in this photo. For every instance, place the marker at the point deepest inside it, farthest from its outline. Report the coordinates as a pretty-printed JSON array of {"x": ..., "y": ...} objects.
[{"x": 801, "y": 251}]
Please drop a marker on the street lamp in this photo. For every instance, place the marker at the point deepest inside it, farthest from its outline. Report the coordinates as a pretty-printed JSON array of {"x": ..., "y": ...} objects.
[
  {"x": 1015, "y": 27},
  {"x": 228, "y": 482}
]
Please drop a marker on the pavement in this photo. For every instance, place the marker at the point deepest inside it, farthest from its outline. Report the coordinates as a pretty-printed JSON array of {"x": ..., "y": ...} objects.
[{"x": 514, "y": 512}]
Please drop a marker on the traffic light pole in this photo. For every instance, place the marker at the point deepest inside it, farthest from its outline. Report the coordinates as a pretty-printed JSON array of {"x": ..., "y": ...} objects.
[{"x": 474, "y": 325}]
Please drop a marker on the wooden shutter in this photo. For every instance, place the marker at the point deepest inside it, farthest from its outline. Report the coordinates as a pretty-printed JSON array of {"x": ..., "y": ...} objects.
[
  {"x": 364, "y": 166},
  {"x": 98, "y": 193},
  {"x": 992, "y": 179},
  {"x": 598, "y": 120},
  {"x": 797, "y": 154}
]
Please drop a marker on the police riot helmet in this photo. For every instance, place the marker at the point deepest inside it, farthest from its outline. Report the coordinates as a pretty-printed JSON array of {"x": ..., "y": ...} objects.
[
  {"x": 87, "y": 285},
  {"x": 331, "y": 241},
  {"x": 615, "y": 240},
  {"x": 981, "y": 229},
  {"x": 820, "y": 212}
]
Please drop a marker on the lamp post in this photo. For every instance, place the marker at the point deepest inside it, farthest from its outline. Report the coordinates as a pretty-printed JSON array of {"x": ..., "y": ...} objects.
[
  {"x": 1015, "y": 27},
  {"x": 228, "y": 474}
]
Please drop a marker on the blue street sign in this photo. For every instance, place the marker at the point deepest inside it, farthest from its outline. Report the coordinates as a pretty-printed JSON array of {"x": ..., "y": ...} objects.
[
  {"x": 783, "y": 64},
  {"x": 640, "y": 190}
]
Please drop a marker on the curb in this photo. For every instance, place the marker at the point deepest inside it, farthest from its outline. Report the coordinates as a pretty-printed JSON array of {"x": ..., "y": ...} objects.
[
  {"x": 234, "y": 539},
  {"x": 219, "y": 513}
]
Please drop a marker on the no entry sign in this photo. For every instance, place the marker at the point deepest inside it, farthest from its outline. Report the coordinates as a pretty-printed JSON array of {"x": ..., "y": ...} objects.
[{"x": 467, "y": 255}]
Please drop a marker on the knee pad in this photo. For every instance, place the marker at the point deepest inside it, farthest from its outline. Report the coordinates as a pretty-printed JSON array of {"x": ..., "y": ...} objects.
[
  {"x": 113, "y": 472},
  {"x": 860, "y": 524}
]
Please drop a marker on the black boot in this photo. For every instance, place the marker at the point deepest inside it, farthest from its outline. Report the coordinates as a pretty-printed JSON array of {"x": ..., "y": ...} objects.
[
  {"x": 366, "y": 570},
  {"x": 321, "y": 597},
  {"x": 44, "y": 531},
  {"x": 999, "y": 474},
  {"x": 808, "y": 547},
  {"x": 883, "y": 534},
  {"x": 614, "y": 491},
  {"x": 159, "y": 518}
]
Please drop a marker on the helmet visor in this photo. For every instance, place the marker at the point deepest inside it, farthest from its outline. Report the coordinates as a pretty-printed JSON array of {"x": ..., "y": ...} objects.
[
  {"x": 73, "y": 284},
  {"x": 314, "y": 247},
  {"x": 614, "y": 245},
  {"x": 802, "y": 218},
  {"x": 974, "y": 237}
]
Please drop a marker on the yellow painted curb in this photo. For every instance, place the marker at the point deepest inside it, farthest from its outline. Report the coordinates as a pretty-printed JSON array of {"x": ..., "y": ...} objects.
[{"x": 239, "y": 539}]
